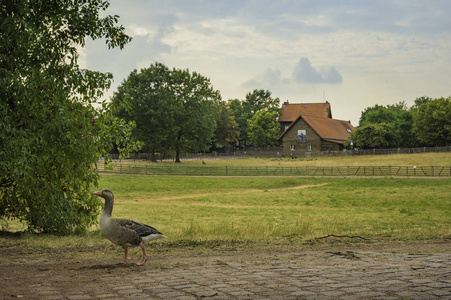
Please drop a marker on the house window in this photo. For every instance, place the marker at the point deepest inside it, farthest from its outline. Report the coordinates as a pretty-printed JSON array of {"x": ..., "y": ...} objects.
[
  {"x": 292, "y": 147},
  {"x": 302, "y": 136},
  {"x": 310, "y": 148}
]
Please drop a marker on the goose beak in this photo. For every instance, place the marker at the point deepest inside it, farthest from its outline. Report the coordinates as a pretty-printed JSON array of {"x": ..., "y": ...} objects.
[{"x": 98, "y": 193}]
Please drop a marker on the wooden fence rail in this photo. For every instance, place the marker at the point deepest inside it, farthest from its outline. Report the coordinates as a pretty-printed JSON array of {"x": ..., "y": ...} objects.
[{"x": 144, "y": 169}]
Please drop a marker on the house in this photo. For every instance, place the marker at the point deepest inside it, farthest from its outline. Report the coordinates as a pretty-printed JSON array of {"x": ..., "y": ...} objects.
[
  {"x": 315, "y": 133},
  {"x": 290, "y": 112}
]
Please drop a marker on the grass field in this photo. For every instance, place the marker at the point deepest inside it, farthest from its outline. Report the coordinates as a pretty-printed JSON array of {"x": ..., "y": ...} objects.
[
  {"x": 279, "y": 210},
  {"x": 267, "y": 209}
]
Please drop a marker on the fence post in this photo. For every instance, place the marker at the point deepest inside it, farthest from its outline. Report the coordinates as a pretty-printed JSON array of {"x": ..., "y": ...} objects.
[
  {"x": 432, "y": 170},
  {"x": 226, "y": 171}
]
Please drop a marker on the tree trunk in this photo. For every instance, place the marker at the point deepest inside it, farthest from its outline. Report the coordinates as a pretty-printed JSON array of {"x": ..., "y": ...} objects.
[
  {"x": 177, "y": 148},
  {"x": 153, "y": 157},
  {"x": 177, "y": 156}
]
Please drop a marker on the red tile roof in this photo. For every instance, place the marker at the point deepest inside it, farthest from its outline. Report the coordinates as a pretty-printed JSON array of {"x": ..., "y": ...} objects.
[
  {"x": 331, "y": 130},
  {"x": 291, "y": 111}
]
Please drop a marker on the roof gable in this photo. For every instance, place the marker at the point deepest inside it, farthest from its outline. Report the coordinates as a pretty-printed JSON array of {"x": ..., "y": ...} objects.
[
  {"x": 328, "y": 129},
  {"x": 290, "y": 112}
]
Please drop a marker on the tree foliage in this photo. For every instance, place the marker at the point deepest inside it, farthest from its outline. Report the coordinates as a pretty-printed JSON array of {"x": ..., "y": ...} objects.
[
  {"x": 264, "y": 129},
  {"x": 173, "y": 109},
  {"x": 375, "y": 136},
  {"x": 145, "y": 98},
  {"x": 397, "y": 115},
  {"x": 255, "y": 101},
  {"x": 227, "y": 129},
  {"x": 51, "y": 136},
  {"x": 432, "y": 122},
  {"x": 426, "y": 123}
]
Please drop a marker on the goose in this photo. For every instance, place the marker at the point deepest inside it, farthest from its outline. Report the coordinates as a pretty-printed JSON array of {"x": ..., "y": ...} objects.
[{"x": 123, "y": 232}]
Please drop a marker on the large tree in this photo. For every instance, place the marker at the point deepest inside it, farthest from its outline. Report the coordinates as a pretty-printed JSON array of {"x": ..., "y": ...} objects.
[
  {"x": 51, "y": 135},
  {"x": 145, "y": 98},
  {"x": 432, "y": 122},
  {"x": 196, "y": 111},
  {"x": 173, "y": 109}
]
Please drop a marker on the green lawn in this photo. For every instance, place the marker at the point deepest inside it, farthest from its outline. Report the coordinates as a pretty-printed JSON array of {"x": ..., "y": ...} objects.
[
  {"x": 277, "y": 209},
  {"x": 264, "y": 209}
]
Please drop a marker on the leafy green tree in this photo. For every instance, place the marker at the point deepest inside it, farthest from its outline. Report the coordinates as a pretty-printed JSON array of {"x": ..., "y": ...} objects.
[
  {"x": 226, "y": 127},
  {"x": 146, "y": 99},
  {"x": 51, "y": 135},
  {"x": 264, "y": 129},
  {"x": 235, "y": 110},
  {"x": 244, "y": 110},
  {"x": 397, "y": 115},
  {"x": 419, "y": 101},
  {"x": 432, "y": 122},
  {"x": 375, "y": 136},
  {"x": 174, "y": 110},
  {"x": 196, "y": 111}
]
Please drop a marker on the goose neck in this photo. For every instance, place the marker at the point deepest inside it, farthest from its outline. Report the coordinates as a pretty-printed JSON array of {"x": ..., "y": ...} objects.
[{"x": 108, "y": 209}]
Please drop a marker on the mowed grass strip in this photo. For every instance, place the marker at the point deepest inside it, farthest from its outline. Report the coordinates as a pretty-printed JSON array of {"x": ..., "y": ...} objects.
[{"x": 268, "y": 209}]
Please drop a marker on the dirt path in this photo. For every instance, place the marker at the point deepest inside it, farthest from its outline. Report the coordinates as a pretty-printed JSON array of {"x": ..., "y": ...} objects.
[{"x": 388, "y": 271}]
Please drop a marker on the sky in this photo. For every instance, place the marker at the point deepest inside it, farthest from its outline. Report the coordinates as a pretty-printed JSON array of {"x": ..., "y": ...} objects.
[{"x": 354, "y": 54}]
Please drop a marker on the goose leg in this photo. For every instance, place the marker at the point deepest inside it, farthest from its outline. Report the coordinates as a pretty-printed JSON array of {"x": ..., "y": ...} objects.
[
  {"x": 144, "y": 256},
  {"x": 125, "y": 255}
]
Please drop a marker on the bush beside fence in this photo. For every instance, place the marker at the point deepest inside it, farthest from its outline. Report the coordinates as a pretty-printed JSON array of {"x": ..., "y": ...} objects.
[{"x": 417, "y": 171}]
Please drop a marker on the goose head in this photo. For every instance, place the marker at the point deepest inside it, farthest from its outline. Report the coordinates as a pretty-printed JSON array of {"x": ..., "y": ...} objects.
[
  {"x": 109, "y": 200},
  {"x": 105, "y": 194}
]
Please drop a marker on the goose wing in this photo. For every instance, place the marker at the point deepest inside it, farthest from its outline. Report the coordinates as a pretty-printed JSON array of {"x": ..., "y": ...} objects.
[{"x": 141, "y": 229}]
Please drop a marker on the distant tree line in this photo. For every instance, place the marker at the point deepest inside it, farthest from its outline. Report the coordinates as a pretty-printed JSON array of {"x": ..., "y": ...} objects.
[
  {"x": 426, "y": 123},
  {"x": 179, "y": 111}
]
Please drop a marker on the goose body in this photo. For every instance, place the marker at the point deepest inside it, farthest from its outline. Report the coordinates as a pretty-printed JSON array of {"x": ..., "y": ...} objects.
[{"x": 124, "y": 232}]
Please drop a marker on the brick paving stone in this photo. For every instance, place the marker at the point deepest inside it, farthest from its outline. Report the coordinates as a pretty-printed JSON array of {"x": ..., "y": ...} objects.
[
  {"x": 310, "y": 276},
  {"x": 131, "y": 291}
]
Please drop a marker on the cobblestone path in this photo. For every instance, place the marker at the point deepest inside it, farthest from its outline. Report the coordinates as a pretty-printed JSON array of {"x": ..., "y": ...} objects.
[{"x": 321, "y": 275}]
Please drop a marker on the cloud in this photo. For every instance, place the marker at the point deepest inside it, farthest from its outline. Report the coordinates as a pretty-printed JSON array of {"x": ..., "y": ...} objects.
[
  {"x": 269, "y": 78},
  {"x": 304, "y": 72}
]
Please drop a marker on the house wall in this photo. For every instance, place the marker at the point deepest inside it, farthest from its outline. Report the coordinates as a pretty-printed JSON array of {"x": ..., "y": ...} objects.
[
  {"x": 283, "y": 126},
  {"x": 313, "y": 141}
]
